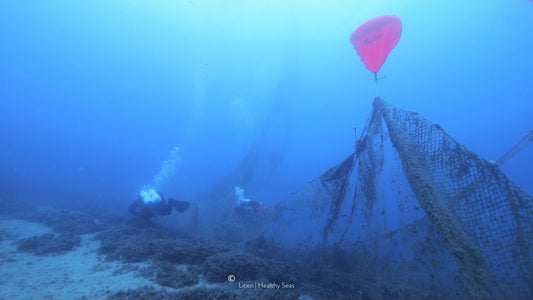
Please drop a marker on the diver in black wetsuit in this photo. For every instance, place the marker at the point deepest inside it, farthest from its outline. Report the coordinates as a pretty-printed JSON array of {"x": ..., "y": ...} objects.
[
  {"x": 248, "y": 207},
  {"x": 151, "y": 203}
]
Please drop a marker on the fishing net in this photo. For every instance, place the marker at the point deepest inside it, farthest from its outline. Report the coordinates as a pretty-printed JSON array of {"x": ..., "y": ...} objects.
[{"x": 419, "y": 209}]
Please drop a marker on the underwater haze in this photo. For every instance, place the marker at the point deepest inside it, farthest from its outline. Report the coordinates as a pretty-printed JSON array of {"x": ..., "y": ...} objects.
[
  {"x": 245, "y": 149},
  {"x": 95, "y": 95}
]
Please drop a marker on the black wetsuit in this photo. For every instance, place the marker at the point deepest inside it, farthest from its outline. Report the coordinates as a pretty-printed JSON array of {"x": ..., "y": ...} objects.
[
  {"x": 162, "y": 207},
  {"x": 248, "y": 207}
]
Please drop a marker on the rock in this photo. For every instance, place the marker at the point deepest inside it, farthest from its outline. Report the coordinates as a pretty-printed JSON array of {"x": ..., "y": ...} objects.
[
  {"x": 171, "y": 275},
  {"x": 65, "y": 221},
  {"x": 49, "y": 243}
]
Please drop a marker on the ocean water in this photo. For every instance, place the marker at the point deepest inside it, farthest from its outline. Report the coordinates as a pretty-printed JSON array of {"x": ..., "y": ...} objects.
[
  {"x": 95, "y": 95},
  {"x": 101, "y": 99}
]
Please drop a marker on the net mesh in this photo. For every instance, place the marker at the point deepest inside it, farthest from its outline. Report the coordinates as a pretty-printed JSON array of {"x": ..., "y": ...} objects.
[
  {"x": 485, "y": 220},
  {"x": 420, "y": 208}
]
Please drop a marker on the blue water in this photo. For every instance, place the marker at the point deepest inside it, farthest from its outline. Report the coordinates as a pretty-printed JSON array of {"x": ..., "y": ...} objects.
[{"x": 95, "y": 95}]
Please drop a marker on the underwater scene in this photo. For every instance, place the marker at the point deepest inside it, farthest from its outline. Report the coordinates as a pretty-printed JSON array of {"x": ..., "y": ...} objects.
[{"x": 254, "y": 149}]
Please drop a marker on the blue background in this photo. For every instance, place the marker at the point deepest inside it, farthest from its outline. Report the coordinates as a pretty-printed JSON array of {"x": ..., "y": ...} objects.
[{"x": 94, "y": 95}]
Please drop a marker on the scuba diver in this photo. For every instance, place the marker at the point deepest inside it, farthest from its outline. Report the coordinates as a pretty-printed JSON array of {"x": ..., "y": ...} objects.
[
  {"x": 151, "y": 203},
  {"x": 246, "y": 206}
]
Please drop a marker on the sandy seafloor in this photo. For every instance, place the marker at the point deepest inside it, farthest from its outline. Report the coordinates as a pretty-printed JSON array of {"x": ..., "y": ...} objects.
[
  {"x": 62, "y": 254},
  {"x": 111, "y": 261},
  {"x": 77, "y": 274}
]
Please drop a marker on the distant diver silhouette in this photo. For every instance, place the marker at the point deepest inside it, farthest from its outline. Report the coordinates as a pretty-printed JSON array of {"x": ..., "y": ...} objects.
[{"x": 151, "y": 203}]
